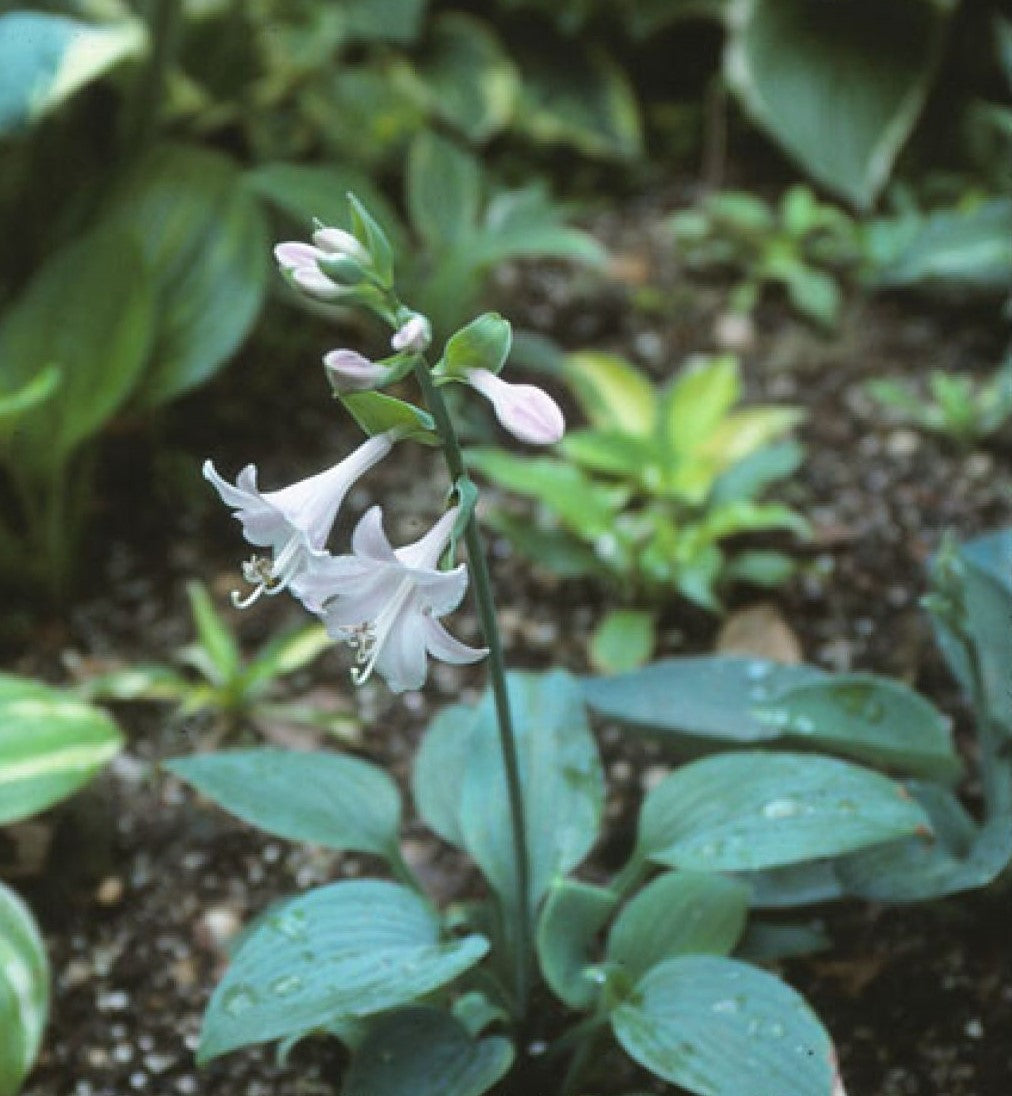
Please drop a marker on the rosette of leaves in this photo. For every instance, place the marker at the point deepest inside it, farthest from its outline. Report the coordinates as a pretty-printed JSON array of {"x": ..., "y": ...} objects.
[
  {"x": 648, "y": 496},
  {"x": 51, "y": 744},
  {"x": 653, "y": 961},
  {"x": 800, "y": 246}
]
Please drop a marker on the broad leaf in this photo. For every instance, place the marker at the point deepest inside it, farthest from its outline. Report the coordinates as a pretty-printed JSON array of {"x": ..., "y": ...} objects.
[
  {"x": 324, "y": 798},
  {"x": 215, "y": 641},
  {"x": 838, "y": 86},
  {"x": 439, "y": 770},
  {"x": 871, "y": 719},
  {"x": 700, "y": 397},
  {"x": 705, "y": 1023},
  {"x": 443, "y": 191},
  {"x": 613, "y": 394},
  {"x": 623, "y": 640},
  {"x": 284, "y": 655},
  {"x": 33, "y": 392},
  {"x": 708, "y": 697},
  {"x": 98, "y": 288},
  {"x": 747, "y": 810},
  {"x": 678, "y": 913},
  {"x": 561, "y": 776},
  {"x": 483, "y": 344},
  {"x": 376, "y": 412},
  {"x": 205, "y": 242},
  {"x": 50, "y": 745},
  {"x": 426, "y": 1052},
  {"x": 24, "y": 991},
  {"x": 339, "y": 952},
  {"x": 44, "y": 59},
  {"x": 573, "y": 915}
]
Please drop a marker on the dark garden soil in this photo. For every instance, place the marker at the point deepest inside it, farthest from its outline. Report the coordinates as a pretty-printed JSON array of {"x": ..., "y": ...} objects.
[{"x": 143, "y": 886}]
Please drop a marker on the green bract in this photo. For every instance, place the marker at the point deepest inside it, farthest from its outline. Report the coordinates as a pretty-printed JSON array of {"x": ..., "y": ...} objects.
[{"x": 651, "y": 489}]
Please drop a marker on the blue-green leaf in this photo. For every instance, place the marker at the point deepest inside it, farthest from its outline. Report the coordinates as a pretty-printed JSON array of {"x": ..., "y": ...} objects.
[
  {"x": 573, "y": 915},
  {"x": 24, "y": 991}
]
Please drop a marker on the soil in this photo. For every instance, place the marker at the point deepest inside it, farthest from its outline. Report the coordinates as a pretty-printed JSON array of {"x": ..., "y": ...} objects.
[{"x": 143, "y": 886}]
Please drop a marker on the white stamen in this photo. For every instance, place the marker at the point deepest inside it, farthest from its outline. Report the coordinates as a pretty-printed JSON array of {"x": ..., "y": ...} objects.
[
  {"x": 368, "y": 638},
  {"x": 271, "y": 578}
]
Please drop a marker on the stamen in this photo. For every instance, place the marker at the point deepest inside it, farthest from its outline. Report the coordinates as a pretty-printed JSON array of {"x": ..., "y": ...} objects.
[
  {"x": 268, "y": 577},
  {"x": 369, "y": 637}
]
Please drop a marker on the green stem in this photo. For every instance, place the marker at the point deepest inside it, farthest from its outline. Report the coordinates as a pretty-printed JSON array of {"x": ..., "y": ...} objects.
[{"x": 497, "y": 674}]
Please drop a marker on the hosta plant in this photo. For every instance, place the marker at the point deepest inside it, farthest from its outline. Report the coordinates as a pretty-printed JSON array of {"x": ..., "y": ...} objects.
[
  {"x": 648, "y": 498},
  {"x": 522, "y": 982},
  {"x": 51, "y": 744}
]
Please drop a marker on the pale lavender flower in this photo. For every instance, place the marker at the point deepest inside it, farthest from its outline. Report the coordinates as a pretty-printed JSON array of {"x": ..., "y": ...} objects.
[
  {"x": 301, "y": 261},
  {"x": 293, "y": 522},
  {"x": 349, "y": 371},
  {"x": 526, "y": 411},
  {"x": 414, "y": 334},
  {"x": 384, "y": 602}
]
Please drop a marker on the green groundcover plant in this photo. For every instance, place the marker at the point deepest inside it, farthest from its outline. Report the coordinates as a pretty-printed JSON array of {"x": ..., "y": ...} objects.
[
  {"x": 452, "y": 1002},
  {"x": 51, "y": 743}
]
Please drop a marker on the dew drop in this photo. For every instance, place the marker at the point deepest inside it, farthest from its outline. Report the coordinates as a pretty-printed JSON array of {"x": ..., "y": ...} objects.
[
  {"x": 777, "y": 1030},
  {"x": 238, "y": 1000},
  {"x": 802, "y": 725},
  {"x": 781, "y": 808},
  {"x": 286, "y": 985},
  {"x": 756, "y": 671},
  {"x": 727, "y": 1005}
]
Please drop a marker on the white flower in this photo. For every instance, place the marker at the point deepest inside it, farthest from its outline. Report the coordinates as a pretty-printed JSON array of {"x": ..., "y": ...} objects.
[
  {"x": 349, "y": 371},
  {"x": 384, "y": 603},
  {"x": 525, "y": 410},
  {"x": 414, "y": 334},
  {"x": 293, "y": 522},
  {"x": 302, "y": 261}
]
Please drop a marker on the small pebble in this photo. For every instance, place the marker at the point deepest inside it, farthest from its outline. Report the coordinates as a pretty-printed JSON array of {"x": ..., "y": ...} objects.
[
  {"x": 110, "y": 891},
  {"x": 974, "y": 1029},
  {"x": 903, "y": 443}
]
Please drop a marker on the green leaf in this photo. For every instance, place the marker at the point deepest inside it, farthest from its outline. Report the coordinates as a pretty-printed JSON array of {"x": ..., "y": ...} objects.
[
  {"x": 572, "y": 917},
  {"x": 339, "y": 952},
  {"x": 50, "y": 745},
  {"x": 483, "y": 344},
  {"x": 747, "y": 810},
  {"x": 383, "y": 20},
  {"x": 623, "y": 640},
  {"x": 98, "y": 287},
  {"x": 24, "y": 991},
  {"x": 284, "y": 655},
  {"x": 311, "y": 192},
  {"x": 439, "y": 770},
  {"x": 426, "y": 1052},
  {"x": 579, "y": 97},
  {"x": 871, "y": 719},
  {"x": 706, "y": 1023},
  {"x": 705, "y": 697},
  {"x": 376, "y": 412},
  {"x": 795, "y": 64},
  {"x": 214, "y": 637},
  {"x": 323, "y": 798},
  {"x": 527, "y": 224},
  {"x": 471, "y": 80},
  {"x": 44, "y": 59},
  {"x": 32, "y": 393},
  {"x": 614, "y": 453},
  {"x": 555, "y": 549},
  {"x": 561, "y": 776},
  {"x": 700, "y": 397},
  {"x": 205, "y": 242},
  {"x": 742, "y": 433},
  {"x": 813, "y": 293},
  {"x": 678, "y": 913},
  {"x": 587, "y": 507},
  {"x": 754, "y": 473},
  {"x": 769, "y": 942},
  {"x": 961, "y": 249},
  {"x": 613, "y": 394},
  {"x": 443, "y": 191}
]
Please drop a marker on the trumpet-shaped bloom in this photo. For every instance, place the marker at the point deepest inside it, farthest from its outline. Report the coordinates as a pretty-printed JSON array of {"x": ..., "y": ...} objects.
[
  {"x": 384, "y": 603},
  {"x": 526, "y": 411},
  {"x": 293, "y": 522}
]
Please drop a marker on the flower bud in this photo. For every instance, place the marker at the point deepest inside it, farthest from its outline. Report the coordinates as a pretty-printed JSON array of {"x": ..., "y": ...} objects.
[
  {"x": 335, "y": 241},
  {"x": 525, "y": 410},
  {"x": 349, "y": 371},
  {"x": 414, "y": 334}
]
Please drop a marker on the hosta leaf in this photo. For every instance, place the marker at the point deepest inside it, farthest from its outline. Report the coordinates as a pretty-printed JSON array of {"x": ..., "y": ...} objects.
[
  {"x": 205, "y": 242},
  {"x": 376, "y": 412},
  {"x": 439, "y": 770},
  {"x": 613, "y": 394},
  {"x": 707, "y": 1023},
  {"x": 573, "y": 915},
  {"x": 838, "y": 86},
  {"x": 426, "y": 1052},
  {"x": 44, "y": 59},
  {"x": 526, "y": 223},
  {"x": 701, "y": 395},
  {"x": 444, "y": 190},
  {"x": 338, "y": 952},
  {"x": 324, "y": 798},
  {"x": 623, "y": 640},
  {"x": 215, "y": 639},
  {"x": 24, "y": 991},
  {"x": 748, "y": 810},
  {"x": 50, "y": 745},
  {"x": 678, "y": 913}
]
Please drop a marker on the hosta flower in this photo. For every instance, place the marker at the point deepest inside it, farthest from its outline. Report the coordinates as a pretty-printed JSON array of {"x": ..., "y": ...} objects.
[
  {"x": 293, "y": 522},
  {"x": 301, "y": 261},
  {"x": 526, "y": 411},
  {"x": 384, "y": 603},
  {"x": 349, "y": 371},
  {"x": 414, "y": 334}
]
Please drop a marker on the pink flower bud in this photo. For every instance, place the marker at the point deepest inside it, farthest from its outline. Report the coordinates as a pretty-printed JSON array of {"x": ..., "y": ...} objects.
[
  {"x": 415, "y": 334},
  {"x": 525, "y": 410},
  {"x": 335, "y": 241},
  {"x": 313, "y": 281},
  {"x": 349, "y": 371}
]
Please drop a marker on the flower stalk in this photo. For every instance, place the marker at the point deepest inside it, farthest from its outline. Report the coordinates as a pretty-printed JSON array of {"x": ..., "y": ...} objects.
[{"x": 485, "y": 601}]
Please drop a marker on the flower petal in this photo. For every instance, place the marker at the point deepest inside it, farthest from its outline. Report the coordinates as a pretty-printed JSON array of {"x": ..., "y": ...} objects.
[
  {"x": 425, "y": 552},
  {"x": 370, "y": 540},
  {"x": 440, "y": 592},
  {"x": 402, "y": 658},
  {"x": 448, "y": 648}
]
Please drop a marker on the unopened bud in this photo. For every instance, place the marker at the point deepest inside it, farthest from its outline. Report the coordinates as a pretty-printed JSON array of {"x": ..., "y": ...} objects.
[
  {"x": 525, "y": 410},
  {"x": 414, "y": 334},
  {"x": 335, "y": 241},
  {"x": 349, "y": 371}
]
